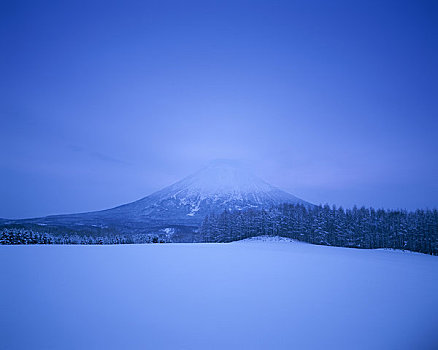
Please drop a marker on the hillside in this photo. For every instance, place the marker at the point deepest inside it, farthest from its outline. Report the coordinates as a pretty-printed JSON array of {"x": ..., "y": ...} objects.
[{"x": 221, "y": 185}]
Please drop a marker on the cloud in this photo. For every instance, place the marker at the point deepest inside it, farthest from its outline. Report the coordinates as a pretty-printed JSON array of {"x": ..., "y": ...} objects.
[{"x": 99, "y": 156}]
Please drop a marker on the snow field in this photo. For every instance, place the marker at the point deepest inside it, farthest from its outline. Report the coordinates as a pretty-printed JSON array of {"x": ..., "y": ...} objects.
[{"x": 257, "y": 294}]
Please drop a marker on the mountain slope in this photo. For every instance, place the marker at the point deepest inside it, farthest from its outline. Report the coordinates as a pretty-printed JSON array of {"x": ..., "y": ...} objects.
[{"x": 221, "y": 185}]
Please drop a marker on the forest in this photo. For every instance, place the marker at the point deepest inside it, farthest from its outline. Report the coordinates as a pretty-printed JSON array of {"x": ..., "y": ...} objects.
[
  {"x": 324, "y": 225},
  {"x": 365, "y": 228},
  {"x": 12, "y": 236}
]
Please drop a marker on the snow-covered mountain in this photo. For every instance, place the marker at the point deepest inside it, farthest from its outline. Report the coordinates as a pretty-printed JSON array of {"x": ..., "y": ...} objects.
[{"x": 221, "y": 185}]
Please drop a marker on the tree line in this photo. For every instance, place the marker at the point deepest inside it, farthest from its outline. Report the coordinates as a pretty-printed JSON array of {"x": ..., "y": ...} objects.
[
  {"x": 357, "y": 228},
  {"x": 12, "y": 236},
  {"x": 324, "y": 225}
]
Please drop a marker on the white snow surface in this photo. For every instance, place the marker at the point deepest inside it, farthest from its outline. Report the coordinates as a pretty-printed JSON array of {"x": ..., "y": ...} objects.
[
  {"x": 278, "y": 239},
  {"x": 223, "y": 177},
  {"x": 256, "y": 294},
  {"x": 222, "y": 182}
]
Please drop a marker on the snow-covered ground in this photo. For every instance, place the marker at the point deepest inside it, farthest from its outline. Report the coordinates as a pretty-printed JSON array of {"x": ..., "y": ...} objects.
[{"x": 257, "y": 294}]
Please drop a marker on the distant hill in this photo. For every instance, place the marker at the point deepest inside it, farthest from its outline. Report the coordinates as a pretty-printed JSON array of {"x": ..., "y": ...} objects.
[{"x": 221, "y": 185}]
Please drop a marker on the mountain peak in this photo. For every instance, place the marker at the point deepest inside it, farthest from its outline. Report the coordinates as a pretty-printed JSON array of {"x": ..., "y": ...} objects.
[
  {"x": 222, "y": 177},
  {"x": 225, "y": 163},
  {"x": 222, "y": 184}
]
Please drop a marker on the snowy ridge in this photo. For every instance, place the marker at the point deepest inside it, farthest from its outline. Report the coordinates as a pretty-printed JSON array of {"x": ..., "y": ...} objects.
[{"x": 268, "y": 239}]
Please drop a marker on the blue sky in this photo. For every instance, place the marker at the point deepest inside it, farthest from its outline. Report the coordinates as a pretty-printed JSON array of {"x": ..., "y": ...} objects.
[{"x": 105, "y": 102}]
